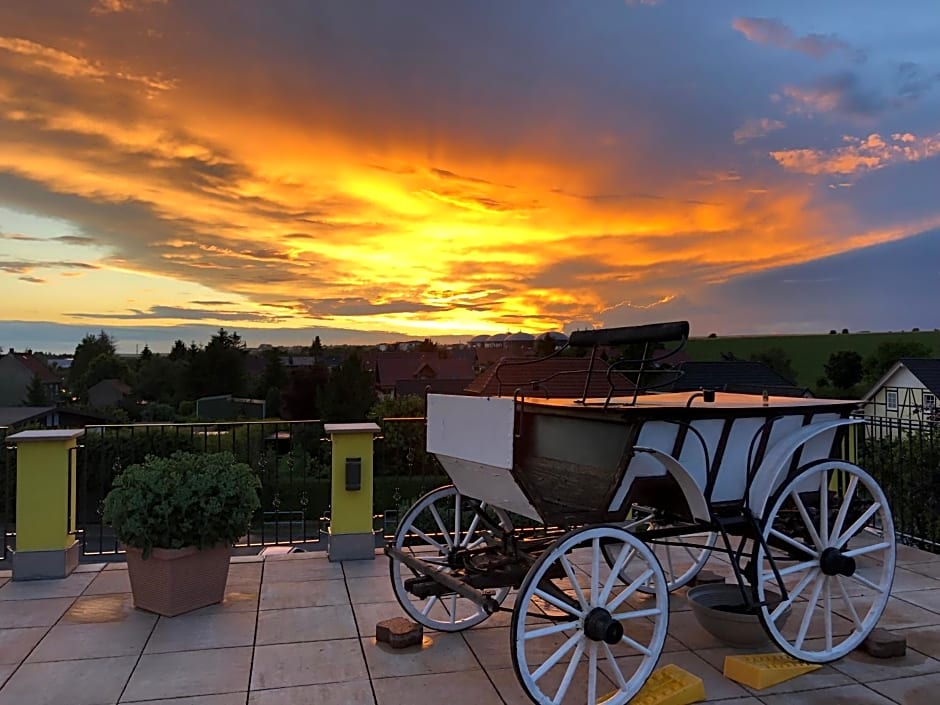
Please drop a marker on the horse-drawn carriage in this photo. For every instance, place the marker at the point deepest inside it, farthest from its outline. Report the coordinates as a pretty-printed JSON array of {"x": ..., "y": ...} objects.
[{"x": 622, "y": 500}]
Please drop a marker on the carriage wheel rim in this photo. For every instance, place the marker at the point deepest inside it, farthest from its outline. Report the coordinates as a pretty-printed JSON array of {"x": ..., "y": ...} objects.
[
  {"x": 827, "y": 576},
  {"x": 431, "y": 612},
  {"x": 596, "y": 613}
]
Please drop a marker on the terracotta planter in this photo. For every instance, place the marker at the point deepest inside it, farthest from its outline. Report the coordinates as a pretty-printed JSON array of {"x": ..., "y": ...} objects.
[{"x": 174, "y": 581}]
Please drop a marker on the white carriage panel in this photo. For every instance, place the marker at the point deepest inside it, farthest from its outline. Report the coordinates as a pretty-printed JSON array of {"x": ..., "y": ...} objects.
[
  {"x": 479, "y": 429},
  {"x": 493, "y": 485},
  {"x": 782, "y": 428},
  {"x": 731, "y": 480},
  {"x": 654, "y": 434},
  {"x": 817, "y": 448},
  {"x": 692, "y": 456}
]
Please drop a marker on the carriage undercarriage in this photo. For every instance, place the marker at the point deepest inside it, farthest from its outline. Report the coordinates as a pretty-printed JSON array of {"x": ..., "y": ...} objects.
[{"x": 807, "y": 537}]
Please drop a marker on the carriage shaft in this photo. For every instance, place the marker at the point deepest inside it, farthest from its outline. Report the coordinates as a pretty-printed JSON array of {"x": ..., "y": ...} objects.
[{"x": 438, "y": 575}]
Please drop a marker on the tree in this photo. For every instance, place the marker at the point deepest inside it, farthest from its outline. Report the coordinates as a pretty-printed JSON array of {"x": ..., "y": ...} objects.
[
  {"x": 888, "y": 353},
  {"x": 300, "y": 399},
  {"x": 427, "y": 345},
  {"x": 89, "y": 349},
  {"x": 178, "y": 352},
  {"x": 36, "y": 393},
  {"x": 105, "y": 366},
  {"x": 778, "y": 360},
  {"x": 844, "y": 369},
  {"x": 316, "y": 350},
  {"x": 219, "y": 368},
  {"x": 402, "y": 448},
  {"x": 350, "y": 392}
]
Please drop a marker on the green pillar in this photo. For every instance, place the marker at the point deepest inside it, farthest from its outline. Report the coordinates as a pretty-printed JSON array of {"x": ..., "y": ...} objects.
[
  {"x": 45, "y": 504},
  {"x": 351, "y": 536}
]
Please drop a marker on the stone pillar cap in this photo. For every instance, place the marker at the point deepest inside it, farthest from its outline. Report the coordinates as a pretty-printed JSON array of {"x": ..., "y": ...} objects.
[
  {"x": 334, "y": 428},
  {"x": 52, "y": 434}
]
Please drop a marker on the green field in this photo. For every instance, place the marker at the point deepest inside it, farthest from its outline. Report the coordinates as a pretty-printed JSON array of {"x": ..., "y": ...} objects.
[{"x": 809, "y": 353}]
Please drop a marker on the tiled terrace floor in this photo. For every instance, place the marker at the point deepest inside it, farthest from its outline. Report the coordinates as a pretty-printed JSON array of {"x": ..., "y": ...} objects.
[{"x": 299, "y": 629}]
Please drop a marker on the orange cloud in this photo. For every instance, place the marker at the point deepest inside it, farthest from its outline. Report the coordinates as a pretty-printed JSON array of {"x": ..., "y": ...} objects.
[
  {"x": 860, "y": 155},
  {"x": 755, "y": 128}
]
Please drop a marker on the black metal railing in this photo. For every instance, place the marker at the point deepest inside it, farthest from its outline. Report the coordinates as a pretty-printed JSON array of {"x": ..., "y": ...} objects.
[
  {"x": 903, "y": 455},
  {"x": 7, "y": 495}
]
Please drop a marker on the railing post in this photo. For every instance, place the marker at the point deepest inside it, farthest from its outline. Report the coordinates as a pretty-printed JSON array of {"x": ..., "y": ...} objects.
[
  {"x": 351, "y": 536},
  {"x": 45, "y": 504}
]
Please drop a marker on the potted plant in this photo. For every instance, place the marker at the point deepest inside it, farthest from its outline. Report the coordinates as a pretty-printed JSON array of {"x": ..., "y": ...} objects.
[{"x": 177, "y": 518}]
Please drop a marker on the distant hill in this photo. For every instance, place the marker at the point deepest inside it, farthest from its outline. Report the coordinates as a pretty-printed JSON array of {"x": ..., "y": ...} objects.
[{"x": 809, "y": 353}]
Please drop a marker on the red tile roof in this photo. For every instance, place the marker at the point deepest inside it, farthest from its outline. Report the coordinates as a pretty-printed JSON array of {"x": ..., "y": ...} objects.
[
  {"x": 36, "y": 367},
  {"x": 391, "y": 367},
  {"x": 557, "y": 377}
]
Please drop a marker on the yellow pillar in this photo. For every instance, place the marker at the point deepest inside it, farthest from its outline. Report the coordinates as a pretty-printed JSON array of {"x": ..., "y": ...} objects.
[
  {"x": 351, "y": 536},
  {"x": 45, "y": 504}
]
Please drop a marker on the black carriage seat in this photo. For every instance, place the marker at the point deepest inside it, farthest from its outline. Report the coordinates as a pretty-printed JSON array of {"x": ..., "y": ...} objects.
[
  {"x": 631, "y": 374},
  {"x": 674, "y": 331}
]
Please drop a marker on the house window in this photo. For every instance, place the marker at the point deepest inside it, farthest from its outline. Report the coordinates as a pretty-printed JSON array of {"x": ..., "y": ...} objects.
[
  {"x": 891, "y": 399},
  {"x": 930, "y": 402}
]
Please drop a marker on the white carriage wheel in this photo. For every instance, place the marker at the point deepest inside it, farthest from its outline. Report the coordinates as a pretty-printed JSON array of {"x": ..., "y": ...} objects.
[
  {"x": 844, "y": 578},
  {"x": 593, "y": 631},
  {"x": 439, "y": 523},
  {"x": 680, "y": 564}
]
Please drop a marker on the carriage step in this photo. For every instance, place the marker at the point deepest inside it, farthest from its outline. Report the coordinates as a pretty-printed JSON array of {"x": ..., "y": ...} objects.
[
  {"x": 670, "y": 685},
  {"x": 764, "y": 670}
]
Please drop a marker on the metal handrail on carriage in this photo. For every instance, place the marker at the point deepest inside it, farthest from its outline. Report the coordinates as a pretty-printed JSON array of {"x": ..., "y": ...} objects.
[{"x": 639, "y": 490}]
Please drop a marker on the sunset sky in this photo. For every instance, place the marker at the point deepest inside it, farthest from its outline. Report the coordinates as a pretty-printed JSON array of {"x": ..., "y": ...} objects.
[{"x": 369, "y": 171}]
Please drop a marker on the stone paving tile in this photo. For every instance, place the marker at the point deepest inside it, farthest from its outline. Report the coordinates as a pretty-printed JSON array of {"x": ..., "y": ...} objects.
[
  {"x": 305, "y": 624},
  {"x": 72, "y": 586},
  {"x": 907, "y": 555},
  {"x": 183, "y": 673},
  {"x": 906, "y": 580},
  {"x": 684, "y": 627},
  {"x": 245, "y": 573},
  {"x": 367, "y": 569},
  {"x": 94, "y": 609},
  {"x": 88, "y": 682},
  {"x": 89, "y": 567},
  {"x": 464, "y": 688},
  {"x": 283, "y": 595},
  {"x": 867, "y": 669},
  {"x": 15, "y": 644},
  {"x": 510, "y": 690},
  {"x": 5, "y": 673},
  {"x": 374, "y": 589},
  {"x": 189, "y": 632},
  {"x": 353, "y": 693},
  {"x": 439, "y": 653},
  {"x": 308, "y": 663},
  {"x": 923, "y": 639},
  {"x": 68, "y": 640},
  {"x": 4, "y": 581},
  {"x": 238, "y": 598},
  {"x": 928, "y": 568},
  {"x": 843, "y": 695},
  {"x": 903, "y": 613},
  {"x": 223, "y": 699},
  {"x": 33, "y": 613},
  {"x": 928, "y": 599},
  {"x": 280, "y": 570},
  {"x": 914, "y": 690},
  {"x": 109, "y": 582},
  {"x": 116, "y": 565}
]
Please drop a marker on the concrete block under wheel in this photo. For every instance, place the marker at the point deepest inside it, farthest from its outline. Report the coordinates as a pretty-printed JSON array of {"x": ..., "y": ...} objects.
[
  {"x": 884, "y": 644},
  {"x": 399, "y": 633}
]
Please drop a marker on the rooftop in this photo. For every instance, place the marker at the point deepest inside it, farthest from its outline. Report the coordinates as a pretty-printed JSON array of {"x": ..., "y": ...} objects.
[{"x": 300, "y": 629}]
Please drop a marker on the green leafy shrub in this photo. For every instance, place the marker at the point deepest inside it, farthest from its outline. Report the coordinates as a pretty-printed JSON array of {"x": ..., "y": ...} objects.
[{"x": 187, "y": 499}]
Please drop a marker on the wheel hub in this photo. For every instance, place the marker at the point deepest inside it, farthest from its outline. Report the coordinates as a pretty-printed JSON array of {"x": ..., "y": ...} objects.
[
  {"x": 599, "y": 625},
  {"x": 834, "y": 562}
]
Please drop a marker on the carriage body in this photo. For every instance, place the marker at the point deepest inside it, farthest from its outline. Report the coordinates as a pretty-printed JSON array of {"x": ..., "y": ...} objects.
[{"x": 564, "y": 462}]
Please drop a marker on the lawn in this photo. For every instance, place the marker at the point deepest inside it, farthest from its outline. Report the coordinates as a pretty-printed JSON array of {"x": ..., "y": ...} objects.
[{"x": 809, "y": 353}]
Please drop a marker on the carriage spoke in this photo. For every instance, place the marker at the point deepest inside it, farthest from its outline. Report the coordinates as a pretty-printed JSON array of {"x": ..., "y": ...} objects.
[
  {"x": 453, "y": 608},
  {"x": 848, "y": 602},
  {"x": 555, "y": 602},
  {"x": 548, "y": 631},
  {"x": 569, "y": 674},
  {"x": 572, "y": 578},
  {"x": 796, "y": 544},
  {"x": 629, "y": 590},
  {"x": 625, "y": 552},
  {"x": 621, "y": 616},
  {"x": 427, "y": 608},
  {"x": 440, "y": 525},
  {"x": 807, "y": 521},
  {"x": 427, "y": 539},
  {"x": 790, "y": 571},
  {"x": 557, "y": 656},
  {"x": 808, "y": 615},
  {"x": 672, "y": 573},
  {"x": 470, "y": 530},
  {"x": 458, "y": 506},
  {"x": 614, "y": 666},
  {"x": 592, "y": 674},
  {"x": 794, "y": 594},
  {"x": 857, "y": 525},
  {"x": 844, "y": 509},
  {"x": 635, "y": 645},
  {"x": 824, "y": 508},
  {"x": 861, "y": 551},
  {"x": 595, "y": 568},
  {"x": 866, "y": 582},
  {"x": 827, "y": 609}
]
